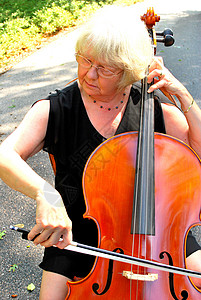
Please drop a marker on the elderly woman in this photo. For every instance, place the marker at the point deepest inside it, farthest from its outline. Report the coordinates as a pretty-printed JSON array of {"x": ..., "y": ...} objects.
[{"x": 112, "y": 52}]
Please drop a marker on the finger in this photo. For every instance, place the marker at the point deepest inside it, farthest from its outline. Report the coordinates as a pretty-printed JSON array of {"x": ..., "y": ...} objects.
[
  {"x": 155, "y": 73},
  {"x": 44, "y": 236},
  {"x": 65, "y": 241},
  {"x": 157, "y": 63},
  {"x": 35, "y": 231},
  {"x": 159, "y": 59},
  {"x": 52, "y": 239},
  {"x": 159, "y": 84}
]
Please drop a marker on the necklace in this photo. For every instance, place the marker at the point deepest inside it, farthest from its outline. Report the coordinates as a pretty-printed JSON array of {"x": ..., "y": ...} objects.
[{"x": 111, "y": 108}]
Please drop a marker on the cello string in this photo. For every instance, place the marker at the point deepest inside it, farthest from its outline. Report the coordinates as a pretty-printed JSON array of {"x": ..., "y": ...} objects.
[
  {"x": 144, "y": 191},
  {"x": 147, "y": 188},
  {"x": 150, "y": 209},
  {"x": 134, "y": 216},
  {"x": 151, "y": 142},
  {"x": 137, "y": 193},
  {"x": 145, "y": 199},
  {"x": 143, "y": 182},
  {"x": 133, "y": 247}
]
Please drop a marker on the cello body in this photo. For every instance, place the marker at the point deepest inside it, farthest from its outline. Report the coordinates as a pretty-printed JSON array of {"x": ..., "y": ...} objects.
[{"x": 108, "y": 186}]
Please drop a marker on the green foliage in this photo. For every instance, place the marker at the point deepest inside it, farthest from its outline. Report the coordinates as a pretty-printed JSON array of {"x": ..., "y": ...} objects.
[
  {"x": 23, "y": 23},
  {"x": 52, "y": 19},
  {"x": 16, "y": 36}
]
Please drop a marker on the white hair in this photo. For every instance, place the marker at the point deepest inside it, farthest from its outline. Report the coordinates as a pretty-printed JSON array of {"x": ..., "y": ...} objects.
[{"x": 115, "y": 35}]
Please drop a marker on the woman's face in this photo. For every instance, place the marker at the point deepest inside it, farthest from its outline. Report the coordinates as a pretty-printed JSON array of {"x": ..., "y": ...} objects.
[{"x": 95, "y": 85}]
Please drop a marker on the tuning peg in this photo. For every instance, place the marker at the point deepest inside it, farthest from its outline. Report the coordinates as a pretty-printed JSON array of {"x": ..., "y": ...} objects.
[
  {"x": 167, "y": 31},
  {"x": 168, "y": 40}
]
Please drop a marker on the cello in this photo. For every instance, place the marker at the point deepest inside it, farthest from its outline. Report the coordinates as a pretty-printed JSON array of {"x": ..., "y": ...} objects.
[{"x": 143, "y": 192}]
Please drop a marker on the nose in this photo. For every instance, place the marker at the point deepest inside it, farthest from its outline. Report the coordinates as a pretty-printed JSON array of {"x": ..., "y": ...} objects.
[{"x": 92, "y": 72}]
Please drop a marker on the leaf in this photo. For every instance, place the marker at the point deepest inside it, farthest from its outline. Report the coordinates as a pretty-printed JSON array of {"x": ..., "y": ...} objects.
[
  {"x": 31, "y": 287},
  {"x": 13, "y": 267},
  {"x": 2, "y": 233},
  {"x": 19, "y": 225}
]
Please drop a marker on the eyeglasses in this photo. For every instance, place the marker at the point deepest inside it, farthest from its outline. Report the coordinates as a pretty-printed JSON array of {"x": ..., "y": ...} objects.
[{"x": 85, "y": 63}]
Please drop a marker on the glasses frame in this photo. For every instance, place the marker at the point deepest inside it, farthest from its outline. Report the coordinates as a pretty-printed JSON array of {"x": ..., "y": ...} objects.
[{"x": 111, "y": 74}]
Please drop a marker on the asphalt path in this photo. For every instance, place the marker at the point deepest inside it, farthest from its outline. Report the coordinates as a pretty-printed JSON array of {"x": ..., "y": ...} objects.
[{"x": 47, "y": 69}]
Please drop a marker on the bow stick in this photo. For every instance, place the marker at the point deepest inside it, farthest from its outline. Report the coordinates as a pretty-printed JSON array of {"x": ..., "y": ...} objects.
[{"x": 85, "y": 249}]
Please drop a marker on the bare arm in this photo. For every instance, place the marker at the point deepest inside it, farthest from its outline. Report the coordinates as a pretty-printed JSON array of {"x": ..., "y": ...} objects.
[
  {"x": 25, "y": 141},
  {"x": 51, "y": 217},
  {"x": 193, "y": 262},
  {"x": 187, "y": 126}
]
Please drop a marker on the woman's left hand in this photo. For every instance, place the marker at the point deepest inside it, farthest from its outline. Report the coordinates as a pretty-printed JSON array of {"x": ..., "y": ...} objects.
[
  {"x": 163, "y": 79},
  {"x": 187, "y": 126}
]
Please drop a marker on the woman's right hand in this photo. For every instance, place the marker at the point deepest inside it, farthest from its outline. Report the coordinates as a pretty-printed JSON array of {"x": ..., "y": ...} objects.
[{"x": 52, "y": 221}]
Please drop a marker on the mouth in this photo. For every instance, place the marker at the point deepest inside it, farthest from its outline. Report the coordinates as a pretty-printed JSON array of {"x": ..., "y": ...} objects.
[{"x": 90, "y": 85}]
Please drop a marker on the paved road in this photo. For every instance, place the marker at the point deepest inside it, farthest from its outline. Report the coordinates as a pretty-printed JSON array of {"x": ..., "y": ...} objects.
[{"x": 52, "y": 67}]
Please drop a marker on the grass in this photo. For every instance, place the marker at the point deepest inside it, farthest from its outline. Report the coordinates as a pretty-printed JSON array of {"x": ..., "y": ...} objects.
[{"x": 26, "y": 24}]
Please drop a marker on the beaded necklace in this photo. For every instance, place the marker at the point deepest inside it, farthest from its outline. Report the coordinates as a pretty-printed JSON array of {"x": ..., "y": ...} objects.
[{"x": 111, "y": 108}]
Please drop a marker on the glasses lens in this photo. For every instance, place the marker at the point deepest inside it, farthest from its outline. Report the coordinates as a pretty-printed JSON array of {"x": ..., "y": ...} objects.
[
  {"x": 83, "y": 61},
  {"x": 105, "y": 73}
]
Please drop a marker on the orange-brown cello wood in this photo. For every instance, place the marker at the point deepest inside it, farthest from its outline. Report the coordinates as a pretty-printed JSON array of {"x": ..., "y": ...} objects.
[{"x": 108, "y": 184}]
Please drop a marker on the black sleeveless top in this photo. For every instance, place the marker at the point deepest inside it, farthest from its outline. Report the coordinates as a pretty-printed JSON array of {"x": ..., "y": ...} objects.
[{"x": 71, "y": 138}]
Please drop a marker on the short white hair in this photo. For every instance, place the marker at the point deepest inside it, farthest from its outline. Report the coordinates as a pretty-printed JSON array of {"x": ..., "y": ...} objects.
[{"x": 116, "y": 36}]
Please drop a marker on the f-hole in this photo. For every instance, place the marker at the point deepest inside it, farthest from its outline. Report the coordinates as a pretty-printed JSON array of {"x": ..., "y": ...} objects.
[
  {"x": 184, "y": 293},
  {"x": 95, "y": 286}
]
